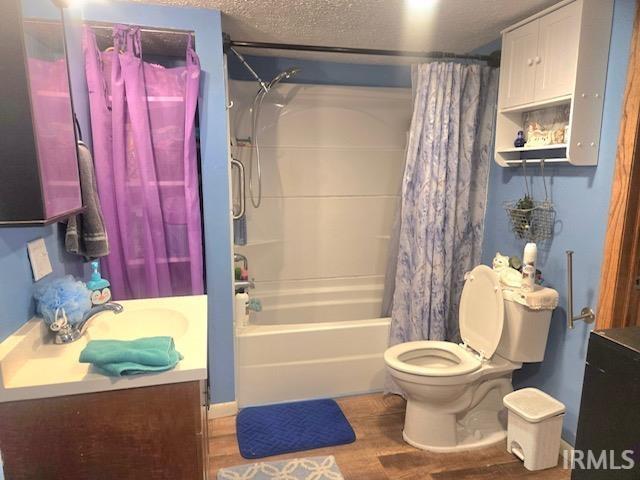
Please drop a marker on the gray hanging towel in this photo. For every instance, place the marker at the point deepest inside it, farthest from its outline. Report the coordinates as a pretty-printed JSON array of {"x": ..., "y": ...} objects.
[
  {"x": 240, "y": 231},
  {"x": 86, "y": 234}
]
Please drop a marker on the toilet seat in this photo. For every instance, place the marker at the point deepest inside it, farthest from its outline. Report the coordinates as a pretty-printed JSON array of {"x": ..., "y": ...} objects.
[
  {"x": 481, "y": 312},
  {"x": 432, "y": 359}
]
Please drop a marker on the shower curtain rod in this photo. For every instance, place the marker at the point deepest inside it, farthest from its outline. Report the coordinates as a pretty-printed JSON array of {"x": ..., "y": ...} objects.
[
  {"x": 109, "y": 26},
  {"x": 355, "y": 51}
]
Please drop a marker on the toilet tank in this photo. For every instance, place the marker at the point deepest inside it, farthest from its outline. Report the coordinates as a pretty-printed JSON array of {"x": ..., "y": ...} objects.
[{"x": 524, "y": 333}]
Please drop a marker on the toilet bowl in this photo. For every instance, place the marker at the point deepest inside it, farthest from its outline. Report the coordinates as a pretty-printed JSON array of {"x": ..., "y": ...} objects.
[{"x": 454, "y": 392}]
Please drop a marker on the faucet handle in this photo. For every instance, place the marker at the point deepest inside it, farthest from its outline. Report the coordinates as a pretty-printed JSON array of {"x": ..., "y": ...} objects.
[{"x": 60, "y": 320}]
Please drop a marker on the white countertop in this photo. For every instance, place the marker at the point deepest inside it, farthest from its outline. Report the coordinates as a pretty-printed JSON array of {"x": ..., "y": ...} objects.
[{"x": 32, "y": 366}]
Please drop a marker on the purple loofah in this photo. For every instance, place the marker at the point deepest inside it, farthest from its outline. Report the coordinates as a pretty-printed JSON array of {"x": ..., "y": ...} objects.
[{"x": 67, "y": 293}]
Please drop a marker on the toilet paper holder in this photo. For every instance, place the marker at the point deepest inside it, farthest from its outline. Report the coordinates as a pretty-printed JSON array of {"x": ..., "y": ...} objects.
[{"x": 587, "y": 314}]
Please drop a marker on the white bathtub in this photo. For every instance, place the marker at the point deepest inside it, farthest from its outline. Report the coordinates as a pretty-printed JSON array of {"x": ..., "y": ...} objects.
[{"x": 312, "y": 339}]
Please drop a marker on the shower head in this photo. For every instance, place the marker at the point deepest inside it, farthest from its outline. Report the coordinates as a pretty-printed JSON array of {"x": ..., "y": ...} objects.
[{"x": 284, "y": 75}]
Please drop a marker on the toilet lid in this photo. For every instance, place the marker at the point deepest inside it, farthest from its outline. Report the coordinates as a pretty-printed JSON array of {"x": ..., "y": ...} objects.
[{"x": 482, "y": 311}]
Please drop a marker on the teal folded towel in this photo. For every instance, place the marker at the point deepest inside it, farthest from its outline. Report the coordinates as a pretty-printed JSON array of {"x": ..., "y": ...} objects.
[{"x": 144, "y": 355}]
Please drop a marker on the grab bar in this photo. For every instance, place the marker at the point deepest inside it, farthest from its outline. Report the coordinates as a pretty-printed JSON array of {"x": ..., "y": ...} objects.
[
  {"x": 586, "y": 314},
  {"x": 240, "y": 167}
]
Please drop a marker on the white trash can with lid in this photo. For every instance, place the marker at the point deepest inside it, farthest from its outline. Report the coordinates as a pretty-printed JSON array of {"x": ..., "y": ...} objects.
[{"x": 535, "y": 426}]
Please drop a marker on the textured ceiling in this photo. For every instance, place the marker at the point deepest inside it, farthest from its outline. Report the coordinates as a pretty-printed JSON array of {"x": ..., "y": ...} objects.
[{"x": 458, "y": 26}]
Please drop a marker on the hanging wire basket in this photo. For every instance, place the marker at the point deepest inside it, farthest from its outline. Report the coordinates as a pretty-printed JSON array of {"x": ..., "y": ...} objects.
[{"x": 532, "y": 220}]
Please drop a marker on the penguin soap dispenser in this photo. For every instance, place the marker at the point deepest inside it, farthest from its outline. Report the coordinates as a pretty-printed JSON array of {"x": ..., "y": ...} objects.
[{"x": 100, "y": 291}]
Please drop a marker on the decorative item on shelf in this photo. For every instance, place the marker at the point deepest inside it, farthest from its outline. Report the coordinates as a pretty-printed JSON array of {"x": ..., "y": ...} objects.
[
  {"x": 530, "y": 219},
  {"x": 519, "y": 141},
  {"x": 99, "y": 287},
  {"x": 515, "y": 262},
  {"x": 546, "y": 126},
  {"x": 558, "y": 136},
  {"x": 508, "y": 276},
  {"x": 500, "y": 262},
  {"x": 536, "y": 137}
]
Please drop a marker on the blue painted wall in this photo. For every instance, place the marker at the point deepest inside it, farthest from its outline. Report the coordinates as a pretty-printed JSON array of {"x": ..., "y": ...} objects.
[
  {"x": 215, "y": 168},
  {"x": 581, "y": 197},
  {"x": 15, "y": 271},
  {"x": 322, "y": 72}
]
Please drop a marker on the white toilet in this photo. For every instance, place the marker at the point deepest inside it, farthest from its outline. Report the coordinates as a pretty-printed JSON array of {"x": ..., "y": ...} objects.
[{"x": 454, "y": 392}]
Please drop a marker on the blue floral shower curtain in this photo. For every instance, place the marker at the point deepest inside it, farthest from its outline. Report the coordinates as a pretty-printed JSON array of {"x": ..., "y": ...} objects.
[{"x": 443, "y": 197}]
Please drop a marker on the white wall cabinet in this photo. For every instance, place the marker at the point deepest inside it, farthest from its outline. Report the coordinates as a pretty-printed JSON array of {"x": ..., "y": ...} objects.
[
  {"x": 556, "y": 57},
  {"x": 519, "y": 49},
  {"x": 540, "y": 58}
]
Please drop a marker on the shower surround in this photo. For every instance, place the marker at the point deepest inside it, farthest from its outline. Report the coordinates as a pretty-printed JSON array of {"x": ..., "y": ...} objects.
[{"x": 332, "y": 163}]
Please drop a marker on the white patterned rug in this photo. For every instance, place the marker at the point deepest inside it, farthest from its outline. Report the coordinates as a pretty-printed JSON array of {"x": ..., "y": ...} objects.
[{"x": 313, "y": 468}]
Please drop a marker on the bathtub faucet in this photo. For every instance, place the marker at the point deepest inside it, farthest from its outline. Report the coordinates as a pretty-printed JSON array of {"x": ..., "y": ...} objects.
[
  {"x": 238, "y": 257},
  {"x": 241, "y": 286}
]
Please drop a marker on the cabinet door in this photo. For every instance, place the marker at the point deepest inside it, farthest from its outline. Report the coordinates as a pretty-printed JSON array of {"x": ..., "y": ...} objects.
[
  {"x": 557, "y": 52},
  {"x": 50, "y": 94},
  {"x": 517, "y": 78},
  {"x": 149, "y": 433}
]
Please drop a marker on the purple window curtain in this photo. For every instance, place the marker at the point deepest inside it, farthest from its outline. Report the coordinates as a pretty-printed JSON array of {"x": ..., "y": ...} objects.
[{"x": 143, "y": 128}]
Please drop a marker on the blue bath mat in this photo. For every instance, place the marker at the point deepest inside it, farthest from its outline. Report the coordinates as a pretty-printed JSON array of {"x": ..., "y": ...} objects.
[{"x": 291, "y": 427}]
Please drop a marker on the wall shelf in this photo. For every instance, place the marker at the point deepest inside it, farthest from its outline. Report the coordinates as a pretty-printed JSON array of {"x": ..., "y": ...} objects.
[
  {"x": 553, "y": 72},
  {"x": 535, "y": 161},
  {"x": 532, "y": 149},
  {"x": 527, "y": 107}
]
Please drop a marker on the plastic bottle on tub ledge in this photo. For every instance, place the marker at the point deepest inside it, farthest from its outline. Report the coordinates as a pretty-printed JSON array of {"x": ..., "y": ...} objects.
[
  {"x": 241, "y": 309},
  {"x": 529, "y": 267}
]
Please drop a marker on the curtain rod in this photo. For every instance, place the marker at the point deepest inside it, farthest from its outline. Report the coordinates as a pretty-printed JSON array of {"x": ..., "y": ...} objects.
[
  {"x": 355, "y": 51},
  {"x": 109, "y": 26}
]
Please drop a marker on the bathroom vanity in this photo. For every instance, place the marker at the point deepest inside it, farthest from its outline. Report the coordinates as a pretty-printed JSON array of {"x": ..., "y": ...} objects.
[
  {"x": 609, "y": 416},
  {"x": 63, "y": 419}
]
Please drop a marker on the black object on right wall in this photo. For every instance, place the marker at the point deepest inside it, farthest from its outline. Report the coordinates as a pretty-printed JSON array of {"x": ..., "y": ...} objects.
[{"x": 609, "y": 419}]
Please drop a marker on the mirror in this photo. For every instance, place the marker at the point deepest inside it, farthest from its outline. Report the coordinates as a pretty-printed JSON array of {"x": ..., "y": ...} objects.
[{"x": 51, "y": 105}]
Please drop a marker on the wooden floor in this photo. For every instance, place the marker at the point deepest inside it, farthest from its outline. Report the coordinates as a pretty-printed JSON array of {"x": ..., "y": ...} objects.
[{"x": 379, "y": 452}]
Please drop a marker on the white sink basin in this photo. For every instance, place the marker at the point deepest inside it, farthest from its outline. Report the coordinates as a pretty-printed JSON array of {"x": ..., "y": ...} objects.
[
  {"x": 132, "y": 324},
  {"x": 32, "y": 366}
]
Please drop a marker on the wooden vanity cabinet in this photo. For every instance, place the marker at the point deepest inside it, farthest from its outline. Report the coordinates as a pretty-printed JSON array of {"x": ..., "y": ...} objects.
[
  {"x": 609, "y": 418},
  {"x": 157, "y": 432}
]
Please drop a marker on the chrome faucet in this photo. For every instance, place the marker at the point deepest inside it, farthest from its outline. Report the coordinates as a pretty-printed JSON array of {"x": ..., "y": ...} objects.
[{"x": 66, "y": 333}]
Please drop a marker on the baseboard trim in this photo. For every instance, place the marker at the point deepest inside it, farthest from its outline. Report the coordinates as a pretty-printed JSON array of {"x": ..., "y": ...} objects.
[
  {"x": 218, "y": 410},
  {"x": 566, "y": 449}
]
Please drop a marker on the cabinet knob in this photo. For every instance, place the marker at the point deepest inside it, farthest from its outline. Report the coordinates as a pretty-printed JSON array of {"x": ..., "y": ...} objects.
[
  {"x": 584, "y": 95},
  {"x": 529, "y": 62},
  {"x": 538, "y": 59},
  {"x": 579, "y": 144},
  {"x": 593, "y": 144}
]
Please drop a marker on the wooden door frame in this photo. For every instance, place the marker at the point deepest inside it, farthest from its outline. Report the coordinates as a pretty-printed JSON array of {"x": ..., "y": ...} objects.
[{"x": 617, "y": 305}]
